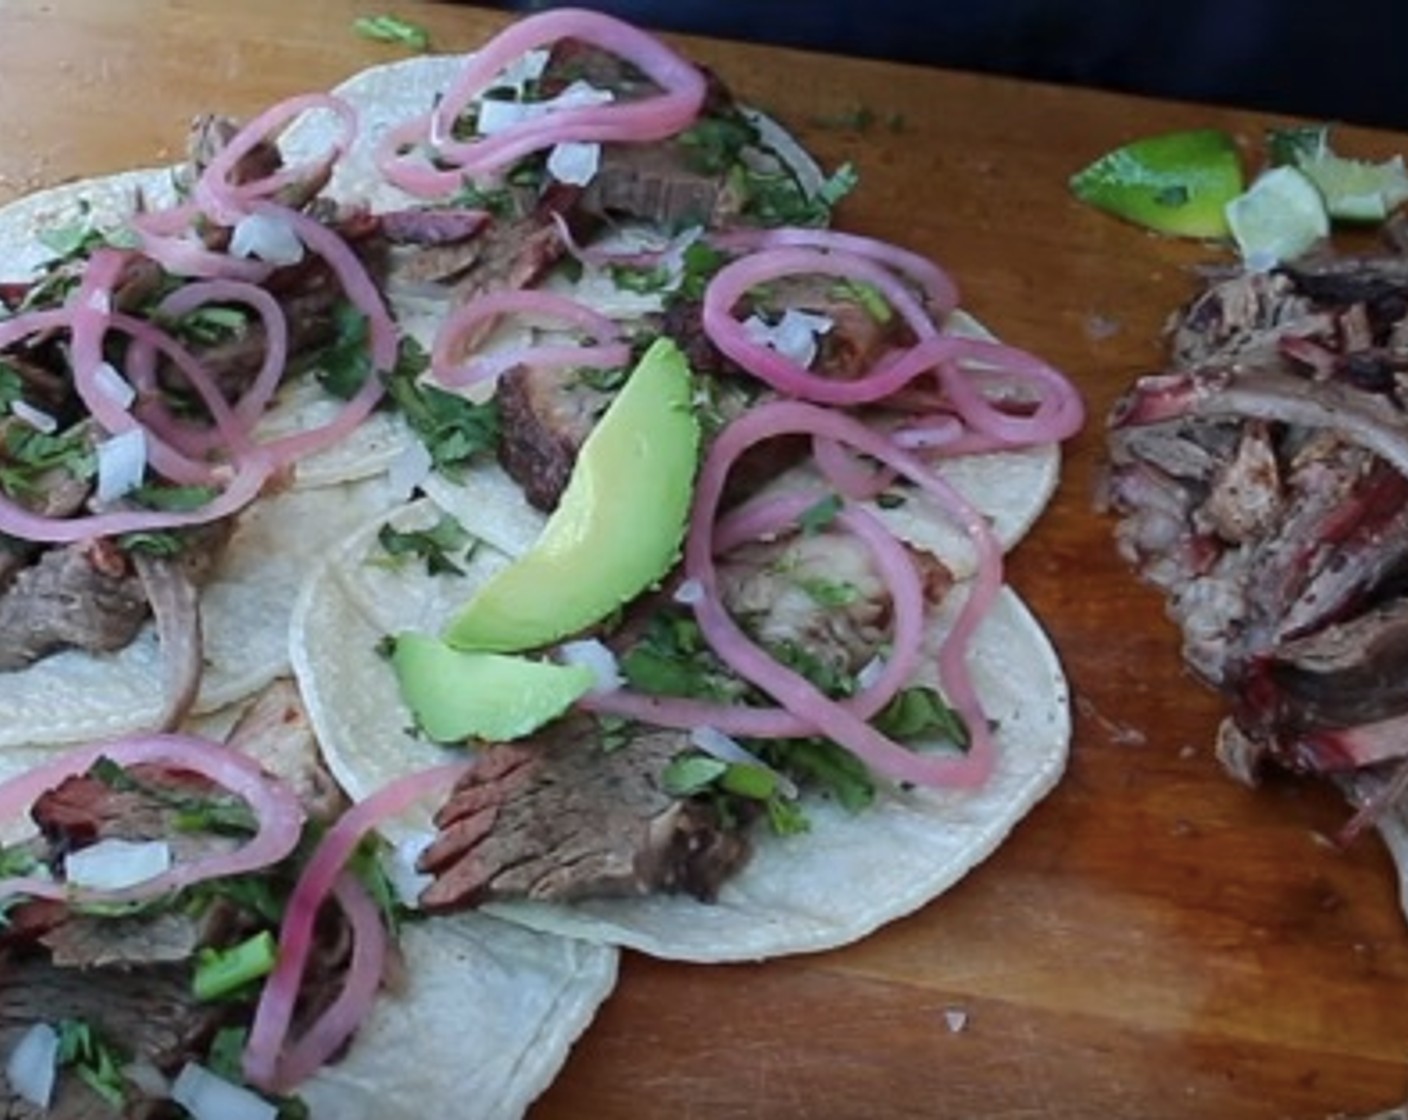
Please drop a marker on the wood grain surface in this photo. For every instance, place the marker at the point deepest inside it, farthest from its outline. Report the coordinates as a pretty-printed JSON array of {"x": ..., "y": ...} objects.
[{"x": 1154, "y": 941}]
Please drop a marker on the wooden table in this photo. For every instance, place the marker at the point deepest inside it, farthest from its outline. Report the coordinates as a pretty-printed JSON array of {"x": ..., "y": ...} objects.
[{"x": 1155, "y": 941}]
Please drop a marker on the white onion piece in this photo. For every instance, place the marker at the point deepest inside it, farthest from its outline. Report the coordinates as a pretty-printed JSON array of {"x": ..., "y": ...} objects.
[
  {"x": 411, "y": 466},
  {"x": 36, "y": 418},
  {"x": 114, "y": 386},
  {"x": 497, "y": 116},
  {"x": 689, "y": 592},
  {"x": 401, "y": 867},
  {"x": 575, "y": 162},
  {"x": 122, "y": 463},
  {"x": 793, "y": 336},
  {"x": 207, "y": 1097},
  {"x": 33, "y": 1065},
  {"x": 268, "y": 238},
  {"x": 113, "y": 864},
  {"x": 596, "y": 657}
]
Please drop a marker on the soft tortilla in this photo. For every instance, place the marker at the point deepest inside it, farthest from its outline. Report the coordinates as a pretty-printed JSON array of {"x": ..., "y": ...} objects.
[
  {"x": 1011, "y": 487},
  {"x": 75, "y": 695},
  {"x": 848, "y": 876},
  {"x": 488, "y": 1015}
]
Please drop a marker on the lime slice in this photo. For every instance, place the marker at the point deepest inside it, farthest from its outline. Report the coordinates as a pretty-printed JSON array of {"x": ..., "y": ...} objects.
[
  {"x": 1280, "y": 217},
  {"x": 1176, "y": 182},
  {"x": 1356, "y": 190}
]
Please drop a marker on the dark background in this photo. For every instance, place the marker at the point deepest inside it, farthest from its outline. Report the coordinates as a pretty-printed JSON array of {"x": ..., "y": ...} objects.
[{"x": 1345, "y": 61}]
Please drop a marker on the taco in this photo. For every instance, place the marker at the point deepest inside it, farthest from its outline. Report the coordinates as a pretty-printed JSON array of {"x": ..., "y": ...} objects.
[{"x": 140, "y": 999}]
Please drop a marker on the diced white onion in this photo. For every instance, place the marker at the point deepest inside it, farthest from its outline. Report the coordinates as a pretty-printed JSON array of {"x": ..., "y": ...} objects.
[
  {"x": 714, "y": 742},
  {"x": 113, "y": 864},
  {"x": 401, "y": 867},
  {"x": 574, "y": 162},
  {"x": 410, "y": 467},
  {"x": 596, "y": 657},
  {"x": 689, "y": 592},
  {"x": 267, "y": 237},
  {"x": 122, "y": 463},
  {"x": 114, "y": 386},
  {"x": 870, "y": 671},
  {"x": 793, "y": 336},
  {"x": 528, "y": 68},
  {"x": 956, "y": 1019},
  {"x": 497, "y": 115},
  {"x": 208, "y": 1097},
  {"x": 33, "y": 1065},
  {"x": 36, "y": 418}
]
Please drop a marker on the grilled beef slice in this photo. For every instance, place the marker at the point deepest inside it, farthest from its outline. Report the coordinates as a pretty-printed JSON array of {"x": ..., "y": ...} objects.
[
  {"x": 559, "y": 817},
  {"x": 1262, "y": 484}
]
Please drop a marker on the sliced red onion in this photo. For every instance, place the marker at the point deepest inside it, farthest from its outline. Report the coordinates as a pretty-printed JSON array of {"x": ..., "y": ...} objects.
[
  {"x": 262, "y": 1062},
  {"x": 838, "y": 721},
  {"x": 648, "y": 119},
  {"x": 169, "y": 237},
  {"x": 114, "y": 864},
  {"x": 122, "y": 465},
  {"x": 449, "y": 370},
  {"x": 32, "y": 1069},
  {"x": 275, "y": 806},
  {"x": 227, "y": 203},
  {"x": 207, "y": 1096}
]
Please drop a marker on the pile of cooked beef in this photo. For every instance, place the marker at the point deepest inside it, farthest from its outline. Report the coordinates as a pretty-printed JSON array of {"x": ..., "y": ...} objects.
[{"x": 1262, "y": 485}]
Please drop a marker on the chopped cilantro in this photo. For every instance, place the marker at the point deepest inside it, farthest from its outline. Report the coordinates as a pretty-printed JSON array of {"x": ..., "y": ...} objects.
[
  {"x": 26, "y": 455},
  {"x": 436, "y": 545},
  {"x": 701, "y": 262},
  {"x": 603, "y": 380},
  {"x": 454, "y": 430},
  {"x": 818, "y": 516},
  {"x": 11, "y": 385},
  {"x": 93, "y": 1059},
  {"x": 344, "y": 364},
  {"x": 829, "y": 592},
  {"x": 643, "y": 281},
  {"x": 224, "y": 972},
  {"x": 393, "y": 29},
  {"x": 868, "y": 296},
  {"x": 830, "y": 767},
  {"x": 890, "y": 499},
  {"x": 16, "y": 860},
  {"x": 672, "y": 659},
  {"x": 919, "y": 712},
  {"x": 777, "y": 199},
  {"x": 785, "y": 817},
  {"x": 714, "y": 144},
  {"x": 210, "y": 324},
  {"x": 366, "y": 864},
  {"x": 193, "y": 812},
  {"x": 175, "y": 499},
  {"x": 747, "y": 779},
  {"x": 499, "y": 201},
  {"x": 689, "y": 774}
]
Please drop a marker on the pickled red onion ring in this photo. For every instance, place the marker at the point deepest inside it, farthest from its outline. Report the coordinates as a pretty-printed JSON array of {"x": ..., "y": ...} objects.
[
  {"x": 227, "y": 202},
  {"x": 272, "y": 1017},
  {"x": 750, "y": 522},
  {"x": 349, "y": 1010},
  {"x": 936, "y": 284},
  {"x": 794, "y": 692},
  {"x": 275, "y": 805},
  {"x": 652, "y": 118},
  {"x": 169, "y": 237},
  {"x": 447, "y": 370},
  {"x": 953, "y": 360}
]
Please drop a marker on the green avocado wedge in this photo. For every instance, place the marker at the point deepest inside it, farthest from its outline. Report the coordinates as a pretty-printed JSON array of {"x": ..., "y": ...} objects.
[
  {"x": 457, "y": 695},
  {"x": 617, "y": 529}
]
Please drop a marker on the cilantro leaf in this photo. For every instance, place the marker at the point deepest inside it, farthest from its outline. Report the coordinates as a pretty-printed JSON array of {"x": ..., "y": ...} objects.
[
  {"x": 455, "y": 431},
  {"x": 689, "y": 774},
  {"x": 435, "y": 545},
  {"x": 818, "y": 516},
  {"x": 93, "y": 1059},
  {"x": 393, "y": 29},
  {"x": 919, "y": 712}
]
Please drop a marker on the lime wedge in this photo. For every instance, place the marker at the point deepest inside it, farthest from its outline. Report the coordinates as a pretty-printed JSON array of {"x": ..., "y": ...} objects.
[
  {"x": 1356, "y": 190},
  {"x": 1176, "y": 182},
  {"x": 1280, "y": 217}
]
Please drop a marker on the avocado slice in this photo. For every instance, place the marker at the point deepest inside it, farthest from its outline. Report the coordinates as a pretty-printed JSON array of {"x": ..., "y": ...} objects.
[
  {"x": 458, "y": 694},
  {"x": 617, "y": 528}
]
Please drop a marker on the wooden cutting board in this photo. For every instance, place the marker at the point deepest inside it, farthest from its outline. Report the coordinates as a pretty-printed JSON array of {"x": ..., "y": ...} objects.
[{"x": 1154, "y": 941}]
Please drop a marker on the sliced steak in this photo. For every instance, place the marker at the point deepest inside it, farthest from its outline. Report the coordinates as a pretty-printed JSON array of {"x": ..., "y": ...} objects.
[
  {"x": 1262, "y": 483},
  {"x": 559, "y": 817}
]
